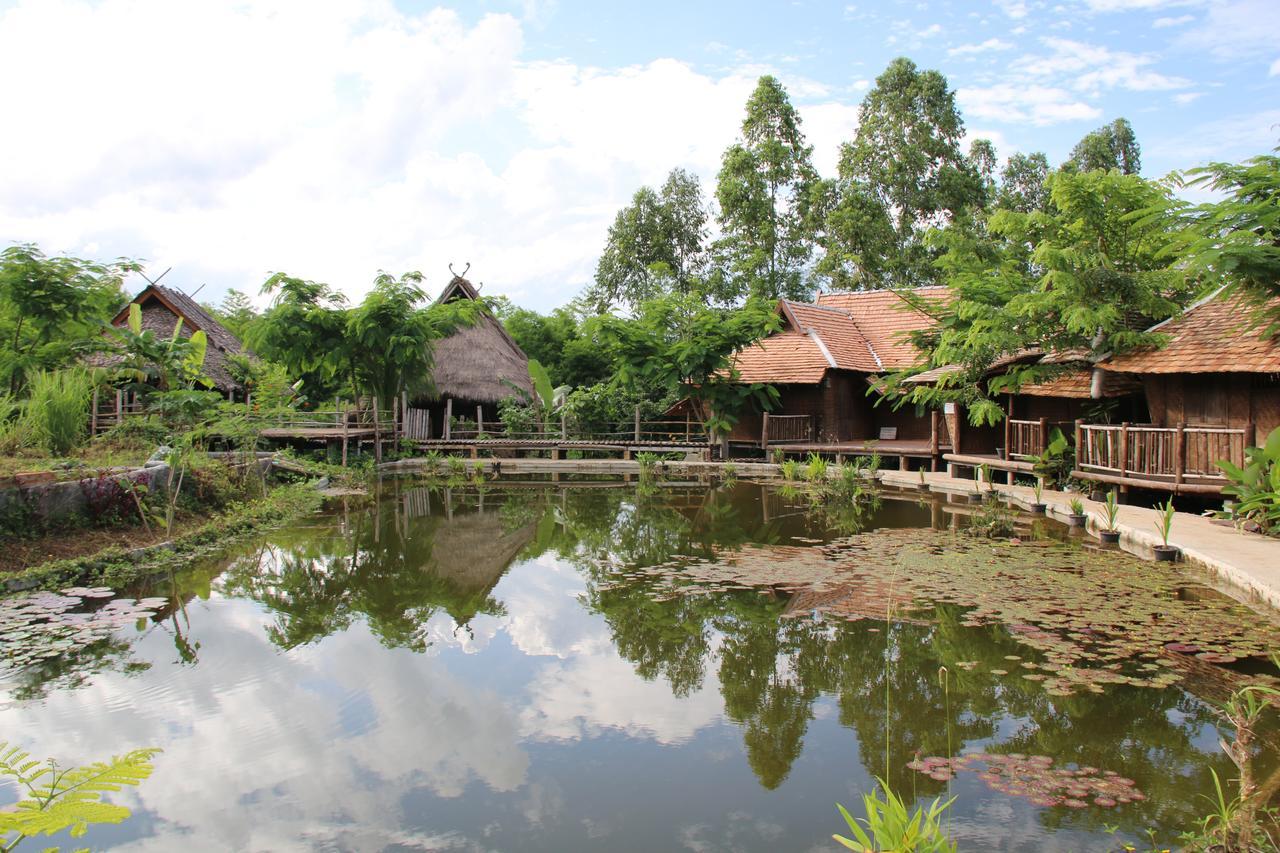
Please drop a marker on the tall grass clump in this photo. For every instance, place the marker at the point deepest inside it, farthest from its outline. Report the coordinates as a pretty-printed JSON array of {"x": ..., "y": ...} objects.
[
  {"x": 57, "y": 413},
  {"x": 10, "y": 427}
]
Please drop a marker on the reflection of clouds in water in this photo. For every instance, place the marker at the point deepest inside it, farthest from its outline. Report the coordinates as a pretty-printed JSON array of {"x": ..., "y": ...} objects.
[
  {"x": 589, "y": 695},
  {"x": 590, "y": 688},
  {"x": 739, "y": 830},
  {"x": 271, "y": 761},
  {"x": 546, "y": 618}
]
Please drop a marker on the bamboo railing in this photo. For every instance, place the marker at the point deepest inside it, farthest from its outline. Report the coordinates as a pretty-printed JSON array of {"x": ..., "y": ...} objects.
[
  {"x": 784, "y": 429},
  {"x": 1180, "y": 454}
]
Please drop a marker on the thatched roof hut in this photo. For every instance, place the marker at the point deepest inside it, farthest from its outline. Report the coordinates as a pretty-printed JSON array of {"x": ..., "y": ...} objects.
[
  {"x": 478, "y": 364},
  {"x": 161, "y": 309}
]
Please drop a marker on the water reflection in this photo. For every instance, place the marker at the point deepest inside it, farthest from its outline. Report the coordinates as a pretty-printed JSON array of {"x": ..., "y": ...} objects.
[{"x": 462, "y": 669}]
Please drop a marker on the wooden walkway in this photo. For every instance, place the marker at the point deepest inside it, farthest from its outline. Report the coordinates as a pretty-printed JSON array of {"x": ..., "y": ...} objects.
[
  {"x": 904, "y": 449},
  {"x": 557, "y": 447}
]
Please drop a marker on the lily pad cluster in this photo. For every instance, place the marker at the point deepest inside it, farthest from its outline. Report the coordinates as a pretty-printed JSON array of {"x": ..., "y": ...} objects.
[
  {"x": 1035, "y": 778},
  {"x": 1091, "y": 618},
  {"x": 46, "y": 625}
]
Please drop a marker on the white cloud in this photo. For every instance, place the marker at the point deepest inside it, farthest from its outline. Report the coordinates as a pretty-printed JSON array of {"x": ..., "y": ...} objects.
[
  {"x": 1088, "y": 67},
  {"x": 342, "y": 138},
  {"x": 1037, "y": 105},
  {"x": 1275, "y": 68},
  {"x": 1162, "y": 23},
  {"x": 1015, "y": 9},
  {"x": 1136, "y": 5},
  {"x": 991, "y": 44},
  {"x": 1184, "y": 98},
  {"x": 1235, "y": 28}
]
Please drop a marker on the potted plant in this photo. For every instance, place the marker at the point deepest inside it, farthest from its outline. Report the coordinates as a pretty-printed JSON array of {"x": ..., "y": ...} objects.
[
  {"x": 924, "y": 484},
  {"x": 1107, "y": 529},
  {"x": 976, "y": 496},
  {"x": 1165, "y": 553},
  {"x": 1038, "y": 490},
  {"x": 1077, "y": 518}
]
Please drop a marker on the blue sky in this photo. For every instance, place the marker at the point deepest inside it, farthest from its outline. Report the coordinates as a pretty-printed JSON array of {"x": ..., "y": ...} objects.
[{"x": 334, "y": 139}]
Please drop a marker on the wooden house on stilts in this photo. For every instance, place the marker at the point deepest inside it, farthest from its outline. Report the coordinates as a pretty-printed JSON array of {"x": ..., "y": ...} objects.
[{"x": 824, "y": 362}]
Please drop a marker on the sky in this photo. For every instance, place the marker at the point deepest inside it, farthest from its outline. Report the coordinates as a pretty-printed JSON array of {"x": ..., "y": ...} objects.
[{"x": 330, "y": 140}]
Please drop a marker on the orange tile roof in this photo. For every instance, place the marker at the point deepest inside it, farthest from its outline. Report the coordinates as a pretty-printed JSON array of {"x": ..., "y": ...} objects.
[
  {"x": 1077, "y": 382},
  {"x": 787, "y": 357},
  {"x": 862, "y": 331},
  {"x": 885, "y": 320},
  {"x": 1222, "y": 334}
]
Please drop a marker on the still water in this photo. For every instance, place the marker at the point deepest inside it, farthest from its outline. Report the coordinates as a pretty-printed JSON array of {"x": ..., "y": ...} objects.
[{"x": 558, "y": 669}]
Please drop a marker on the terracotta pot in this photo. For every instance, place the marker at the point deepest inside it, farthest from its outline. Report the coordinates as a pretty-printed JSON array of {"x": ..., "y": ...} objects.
[
  {"x": 1038, "y": 509},
  {"x": 1077, "y": 520},
  {"x": 1166, "y": 553},
  {"x": 1109, "y": 537},
  {"x": 31, "y": 478}
]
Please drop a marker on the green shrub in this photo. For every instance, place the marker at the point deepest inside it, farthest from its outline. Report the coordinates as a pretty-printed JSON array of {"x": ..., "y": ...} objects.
[
  {"x": 57, "y": 414},
  {"x": 890, "y": 826},
  {"x": 1256, "y": 486},
  {"x": 815, "y": 470}
]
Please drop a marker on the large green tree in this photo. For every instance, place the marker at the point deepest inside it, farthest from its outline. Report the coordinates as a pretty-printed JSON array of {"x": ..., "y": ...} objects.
[
  {"x": 679, "y": 344},
  {"x": 53, "y": 309},
  {"x": 1022, "y": 183},
  {"x": 655, "y": 245},
  {"x": 1088, "y": 276},
  {"x": 906, "y": 156},
  {"x": 764, "y": 190},
  {"x": 1112, "y": 146},
  {"x": 1234, "y": 240}
]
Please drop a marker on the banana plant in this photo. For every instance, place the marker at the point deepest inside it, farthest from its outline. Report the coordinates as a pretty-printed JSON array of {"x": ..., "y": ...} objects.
[
  {"x": 1256, "y": 486},
  {"x": 167, "y": 364}
]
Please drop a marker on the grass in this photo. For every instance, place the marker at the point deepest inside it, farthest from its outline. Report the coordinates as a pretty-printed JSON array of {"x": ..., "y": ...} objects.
[{"x": 56, "y": 415}]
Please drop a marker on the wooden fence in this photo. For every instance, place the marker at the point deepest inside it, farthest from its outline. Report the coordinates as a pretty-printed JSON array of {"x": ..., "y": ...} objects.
[
  {"x": 1182, "y": 458},
  {"x": 783, "y": 429}
]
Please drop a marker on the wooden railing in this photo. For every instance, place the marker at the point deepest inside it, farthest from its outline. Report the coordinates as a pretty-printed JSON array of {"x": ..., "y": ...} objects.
[
  {"x": 1176, "y": 455},
  {"x": 781, "y": 429},
  {"x": 418, "y": 426},
  {"x": 1023, "y": 438},
  {"x": 111, "y": 407}
]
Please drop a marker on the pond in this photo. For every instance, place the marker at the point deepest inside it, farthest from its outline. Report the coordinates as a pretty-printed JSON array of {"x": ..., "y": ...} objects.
[{"x": 577, "y": 668}]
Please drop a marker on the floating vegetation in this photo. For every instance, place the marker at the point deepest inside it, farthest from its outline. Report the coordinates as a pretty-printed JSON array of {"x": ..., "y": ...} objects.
[
  {"x": 45, "y": 625},
  {"x": 1092, "y": 618},
  {"x": 1035, "y": 778}
]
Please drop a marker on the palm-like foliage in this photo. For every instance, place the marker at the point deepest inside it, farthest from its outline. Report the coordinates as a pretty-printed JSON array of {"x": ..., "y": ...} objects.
[{"x": 71, "y": 799}]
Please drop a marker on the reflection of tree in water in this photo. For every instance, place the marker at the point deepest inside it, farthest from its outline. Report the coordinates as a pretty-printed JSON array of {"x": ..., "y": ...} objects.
[
  {"x": 772, "y": 669},
  {"x": 396, "y": 566},
  {"x": 75, "y": 669}
]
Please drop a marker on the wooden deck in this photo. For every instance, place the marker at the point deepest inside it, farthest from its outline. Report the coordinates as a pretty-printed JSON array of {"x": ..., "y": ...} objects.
[
  {"x": 559, "y": 446},
  {"x": 904, "y": 449},
  {"x": 320, "y": 433}
]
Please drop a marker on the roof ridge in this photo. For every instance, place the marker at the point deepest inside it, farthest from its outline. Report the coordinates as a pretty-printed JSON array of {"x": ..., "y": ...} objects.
[{"x": 818, "y": 307}]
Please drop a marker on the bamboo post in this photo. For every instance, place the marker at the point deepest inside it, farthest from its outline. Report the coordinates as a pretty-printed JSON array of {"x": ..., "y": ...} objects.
[
  {"x": 637, "y": 424},
  {"x": 1180, "y": 453},
  {"x": 1008, "y": 428},
  {"x": 934, "y": 439},
  {"x": 377, "y": 434},
  {"x": 564, "y": 432},
  {"x": 1081, "y": 453},
  {"x": 764, "y": 433},
  {"x": 119, "y": 407},
  {"x": 345, "y": 428},
  {"x": 448, "y": 416},
  {"x": 428, "y": 430},
  {"x": 479, "y": 420},
  {"x": 688, "y": 425},
  {"x": 1124, "y": 448},
  {"x": 93, "y": 414},
  {"x": 404, "y": 408}
]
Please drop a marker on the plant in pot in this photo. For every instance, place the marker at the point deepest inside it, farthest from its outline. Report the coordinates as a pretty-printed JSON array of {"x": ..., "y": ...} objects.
[
  {"x": 1077, "y": 518},
  {"x": 976, "y": 497},
  {"x": 924, "y": 484},
  {"x": 1165, "y": 553},
  {"x": 1038, "y": 490},
  {"x": 1111, "y": 511}
]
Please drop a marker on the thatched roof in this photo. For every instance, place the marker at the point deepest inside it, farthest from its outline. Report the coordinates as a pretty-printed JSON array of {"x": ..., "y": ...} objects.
[
  {"x": 478, "y": 363},
  {"x": 161, "y": 307}
]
